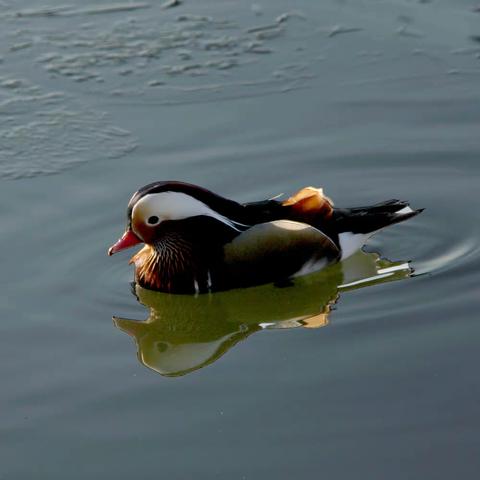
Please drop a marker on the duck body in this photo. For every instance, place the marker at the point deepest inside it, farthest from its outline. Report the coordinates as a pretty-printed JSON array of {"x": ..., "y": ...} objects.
[{"x": 197, "y": 241}]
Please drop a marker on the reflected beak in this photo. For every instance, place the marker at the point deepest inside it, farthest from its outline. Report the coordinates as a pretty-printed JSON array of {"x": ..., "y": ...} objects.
[{"x": 129, "y": 239}]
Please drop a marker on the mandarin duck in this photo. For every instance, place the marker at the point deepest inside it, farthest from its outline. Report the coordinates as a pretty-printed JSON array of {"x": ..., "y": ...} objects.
[{"x": 196, "y": 241}]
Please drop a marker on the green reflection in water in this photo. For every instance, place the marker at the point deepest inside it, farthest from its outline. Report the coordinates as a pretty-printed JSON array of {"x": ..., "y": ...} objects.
[{"x": 185, "y": 333}]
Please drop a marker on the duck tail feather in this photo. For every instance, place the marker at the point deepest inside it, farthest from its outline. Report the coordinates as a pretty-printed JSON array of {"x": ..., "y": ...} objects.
[{"x": 375, "y": 217}]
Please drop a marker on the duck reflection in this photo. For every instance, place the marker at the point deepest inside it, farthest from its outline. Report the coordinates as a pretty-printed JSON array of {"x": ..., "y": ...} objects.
[{"x": 185, "y": 333}]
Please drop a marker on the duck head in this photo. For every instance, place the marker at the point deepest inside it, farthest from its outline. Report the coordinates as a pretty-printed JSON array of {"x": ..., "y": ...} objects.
[
  {"x": 180, "y": 225},
  {"x": 157, "y": 203}
]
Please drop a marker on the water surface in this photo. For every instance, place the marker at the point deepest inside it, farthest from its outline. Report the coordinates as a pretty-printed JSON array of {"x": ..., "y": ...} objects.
[{"x": 370, "y": 100}]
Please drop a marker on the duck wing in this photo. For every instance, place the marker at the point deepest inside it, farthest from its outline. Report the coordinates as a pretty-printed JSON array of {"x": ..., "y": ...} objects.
[
  {"x": 276, "y": 251},
  {"x": 349, "y": 228}
]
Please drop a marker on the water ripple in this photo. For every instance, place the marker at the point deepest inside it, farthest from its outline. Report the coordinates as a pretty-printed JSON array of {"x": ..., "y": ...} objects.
[{"x": 47, "y": 132}]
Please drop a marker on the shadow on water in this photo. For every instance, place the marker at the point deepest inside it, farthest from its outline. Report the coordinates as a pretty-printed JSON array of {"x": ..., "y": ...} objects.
[{"x": 185, "y": 333}]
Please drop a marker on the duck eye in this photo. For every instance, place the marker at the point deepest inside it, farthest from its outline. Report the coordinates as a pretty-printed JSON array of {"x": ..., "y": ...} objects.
[{"x": 153, "y": 220}]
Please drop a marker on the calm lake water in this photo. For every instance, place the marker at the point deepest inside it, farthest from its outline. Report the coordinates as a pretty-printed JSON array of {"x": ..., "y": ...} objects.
[{"x": 366, "y": 370}]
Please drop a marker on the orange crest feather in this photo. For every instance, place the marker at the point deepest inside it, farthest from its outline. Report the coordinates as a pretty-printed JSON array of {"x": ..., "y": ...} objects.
[{"x": 310, "y": 201}]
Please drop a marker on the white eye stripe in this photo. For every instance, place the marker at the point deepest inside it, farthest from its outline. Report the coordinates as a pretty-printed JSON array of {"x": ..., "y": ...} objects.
[{"x": 176, "y": 206}]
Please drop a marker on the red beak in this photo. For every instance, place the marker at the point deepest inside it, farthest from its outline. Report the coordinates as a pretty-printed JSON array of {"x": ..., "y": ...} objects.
[{"x": 129, "y": 239}]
